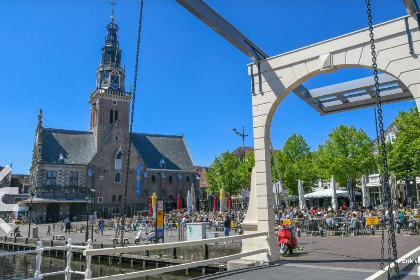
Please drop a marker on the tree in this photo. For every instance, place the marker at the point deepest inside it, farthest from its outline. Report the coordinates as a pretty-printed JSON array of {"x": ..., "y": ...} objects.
[
  {"x": 346, "y": 152},
  {"x": 295, "y": 162},
  {"x": 229, "y": 170},
  {"x": 404, "y": 155}
]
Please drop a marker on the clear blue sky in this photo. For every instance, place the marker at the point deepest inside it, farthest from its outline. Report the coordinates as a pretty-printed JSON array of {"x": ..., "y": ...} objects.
[{"x": 191, "y": 81}]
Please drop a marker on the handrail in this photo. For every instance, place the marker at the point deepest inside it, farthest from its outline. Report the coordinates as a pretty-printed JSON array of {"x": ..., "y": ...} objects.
[
  {"x": 128, "y": 249},
  {"x": 180, "y": 266}
]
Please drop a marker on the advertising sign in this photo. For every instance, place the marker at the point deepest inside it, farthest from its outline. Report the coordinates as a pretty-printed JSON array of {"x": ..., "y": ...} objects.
[
  {"x": 372, "y": 221},
  {"x": 159, "y": 218}
]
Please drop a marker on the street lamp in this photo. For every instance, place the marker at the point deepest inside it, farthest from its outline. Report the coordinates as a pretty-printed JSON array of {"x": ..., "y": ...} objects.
[
  {"x": 31, "y": 193},
  {"x": 243, "y": 139},
  {"x": 88, "y": 201},
  {"x": 91, "y": 211}
]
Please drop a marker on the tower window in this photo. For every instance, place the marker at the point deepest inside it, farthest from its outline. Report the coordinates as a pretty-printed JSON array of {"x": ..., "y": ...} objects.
[
  {"x": 170, "y": 179},
  {"x": 118, "y": 177},
  {"x": 119, "y": 198},
  {"x": 118, "y": 161},
  {"x": 111, "y": 116},
  {"x": 153, "y": 179},
  {"x": 187, "y": 179},
  {"x": 114, "y": 102},
  {"x": 116, "y": 115},
  {"x": 113, "y": 198}
]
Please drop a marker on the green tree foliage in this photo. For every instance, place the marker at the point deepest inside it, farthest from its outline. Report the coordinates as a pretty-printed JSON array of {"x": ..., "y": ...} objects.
[
  {"x": 229, "y": 170},
  {"x": 404, "y": 156},
  {"x": 295, "y": 162},
  {"x": 346, "y": 152}
]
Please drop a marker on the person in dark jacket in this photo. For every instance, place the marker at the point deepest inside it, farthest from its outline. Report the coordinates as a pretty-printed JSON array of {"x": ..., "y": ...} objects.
[{"x": 226, "y": 225}]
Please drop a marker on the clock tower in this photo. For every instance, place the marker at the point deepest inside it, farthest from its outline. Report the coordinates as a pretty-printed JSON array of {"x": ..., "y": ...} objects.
[{"x": 110, "y": 103}]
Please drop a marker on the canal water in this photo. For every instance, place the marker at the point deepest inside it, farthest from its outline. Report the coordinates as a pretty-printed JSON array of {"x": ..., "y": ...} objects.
[{"x": 23, "y": 266}]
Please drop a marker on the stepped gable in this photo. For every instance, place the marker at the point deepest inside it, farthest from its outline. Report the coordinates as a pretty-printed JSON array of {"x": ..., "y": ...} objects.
[
  {"x": 75, "y": 146},
  {"x": 155, "y": 147}
]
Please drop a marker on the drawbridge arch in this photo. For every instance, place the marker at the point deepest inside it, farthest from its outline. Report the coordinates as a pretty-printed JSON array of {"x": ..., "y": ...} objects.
[{"x": 397, "y": 45}]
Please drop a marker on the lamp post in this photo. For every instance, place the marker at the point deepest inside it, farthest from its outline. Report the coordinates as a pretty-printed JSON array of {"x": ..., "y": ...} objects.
[
  {"x": 31, "y": 192},
  {"x": 88, "y": 201},
  {"x": 91, "y": 211},
  {"x": 243, "y": 139}
]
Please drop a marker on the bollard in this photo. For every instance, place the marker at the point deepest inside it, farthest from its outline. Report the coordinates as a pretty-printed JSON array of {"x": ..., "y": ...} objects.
[
  {"x": 321, "y": 231},
  {"x": 298, "y": 232}
]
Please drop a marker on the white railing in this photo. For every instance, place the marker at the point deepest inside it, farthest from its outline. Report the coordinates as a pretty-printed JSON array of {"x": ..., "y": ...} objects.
[
  {"x": 89, "y": 252},
  {"x": 38, "y": 275}
]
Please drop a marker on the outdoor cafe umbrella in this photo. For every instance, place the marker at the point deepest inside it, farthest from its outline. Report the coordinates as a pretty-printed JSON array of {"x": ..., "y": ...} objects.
[
  {"x": 222, "y": 198},
  {"x": 189, "y": 203},
  {"x": 193, "y": 197},
  {"x": 302, "y": 202},
  {"x": 154, "y": 198},
  {"x": 408, "y": 191},
  {"x": 364, "y": 192},
  {"x": 229, "y": 202},
  {"x": 334, "y": 202},
  {"x": 215, "y": 203},
  {"x": 395, "y": 194},
  {"x": 178, "y": 203},
  {"x": 150, "y": 207},
  {"x": 351, "y": 195}
]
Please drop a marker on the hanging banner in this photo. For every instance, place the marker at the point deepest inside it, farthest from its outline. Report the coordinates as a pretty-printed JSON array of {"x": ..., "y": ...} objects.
[
  {"x": 159, "y": 219},
  {"x": 138, "y": 179}
]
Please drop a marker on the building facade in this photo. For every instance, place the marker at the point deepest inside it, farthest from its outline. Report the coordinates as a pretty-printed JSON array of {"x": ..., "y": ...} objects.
[{"x": 68, "y": 166}]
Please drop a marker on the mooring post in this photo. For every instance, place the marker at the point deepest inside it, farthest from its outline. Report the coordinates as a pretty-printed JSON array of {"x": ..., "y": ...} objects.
[
  {"x": 67, "y": 271},
  {"x": 88, "y": 273},
  {"x": 39, "y": 251}
]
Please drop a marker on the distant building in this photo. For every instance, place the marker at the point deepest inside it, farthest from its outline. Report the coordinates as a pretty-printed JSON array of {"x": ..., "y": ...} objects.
[
  {"x": 13, "y": 189},
  {"x": 240, "y": 152},
  {"x": 69, "y": 165}
]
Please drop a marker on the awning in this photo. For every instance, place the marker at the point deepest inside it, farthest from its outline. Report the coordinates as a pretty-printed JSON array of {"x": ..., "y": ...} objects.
[{"x": 327, "y": 193}]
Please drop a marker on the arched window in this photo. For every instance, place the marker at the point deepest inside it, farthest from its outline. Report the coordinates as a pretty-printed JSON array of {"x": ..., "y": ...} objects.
[
  {"x": 119, "y": 198},
  {"x": 118, "y": 161},
  {"x": 116, "y": 115},
  {"x": 111, "y": 116},
  {"x": 118, "y": 177},
  {"x": 187, "y": 179},
  {"x": 113, "y": 198},
  {"x": 153, "y": 179},
  {"x": 170, "y": 179}
]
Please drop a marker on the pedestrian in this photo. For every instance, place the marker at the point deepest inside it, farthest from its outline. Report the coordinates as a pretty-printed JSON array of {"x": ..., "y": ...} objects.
[
  {"x": 68, "y": 225},
  {"x": 226, "y": 225},
  {"x": 101, "y": 226},
  {"x": 49, "y": 230},
  {"x": 17, "y": 231}
]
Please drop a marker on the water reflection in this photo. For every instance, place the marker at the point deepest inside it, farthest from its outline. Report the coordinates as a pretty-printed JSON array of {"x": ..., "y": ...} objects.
[{"x": 23, "y": 266}]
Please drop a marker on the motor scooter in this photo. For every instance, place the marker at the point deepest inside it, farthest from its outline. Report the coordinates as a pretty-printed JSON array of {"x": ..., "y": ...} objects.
[
  {"x": 150, "y": 236},
  {"x": 287, "y": 241}
]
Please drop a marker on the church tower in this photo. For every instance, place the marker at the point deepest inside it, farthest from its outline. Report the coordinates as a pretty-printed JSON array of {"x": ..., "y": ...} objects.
[{"x": 110, "y": 103}]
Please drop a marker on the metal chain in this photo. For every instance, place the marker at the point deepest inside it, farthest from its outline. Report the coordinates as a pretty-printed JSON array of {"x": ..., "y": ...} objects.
[
  {"x": 124, "y": 202},
  {"x": 387, "y": 192}
]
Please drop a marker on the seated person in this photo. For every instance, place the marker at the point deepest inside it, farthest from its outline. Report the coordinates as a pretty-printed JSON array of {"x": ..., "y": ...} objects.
[{"x": 17, "y": 231}]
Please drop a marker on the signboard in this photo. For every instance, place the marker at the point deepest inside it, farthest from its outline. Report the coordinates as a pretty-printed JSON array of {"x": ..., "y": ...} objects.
[
  {"x": 372, "y": 221},
  {"x": 159, "y": 218},
  {"x": 286, "y": 221},
  {"x": 138, "y": 179}
]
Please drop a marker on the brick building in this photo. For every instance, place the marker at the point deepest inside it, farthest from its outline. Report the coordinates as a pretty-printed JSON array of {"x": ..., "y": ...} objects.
[{"x": 68, "y": 165}]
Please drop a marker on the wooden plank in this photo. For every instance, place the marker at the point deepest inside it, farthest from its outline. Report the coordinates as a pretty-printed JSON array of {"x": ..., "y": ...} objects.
[
  {"x": 139, "y": 248},
  {"x": 180, "y": 266}
]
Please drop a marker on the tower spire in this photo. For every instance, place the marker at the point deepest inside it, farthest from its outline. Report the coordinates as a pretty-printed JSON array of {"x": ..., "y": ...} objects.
[{"x": 113, "y": 4}]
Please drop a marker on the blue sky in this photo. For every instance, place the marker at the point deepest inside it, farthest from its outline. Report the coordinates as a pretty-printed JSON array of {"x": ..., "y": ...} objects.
[{"x": 191, "y": 81}]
